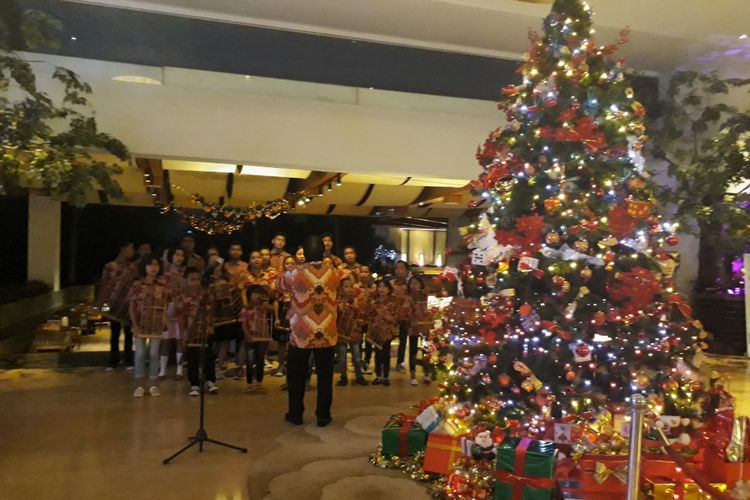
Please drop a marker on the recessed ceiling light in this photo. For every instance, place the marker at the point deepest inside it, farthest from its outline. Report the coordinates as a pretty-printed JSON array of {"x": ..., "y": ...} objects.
[
  {"x": 247, "y": 77},
  {"x": 136, "y": 79},
  {"x": 73, "y": 38},
  {"x": 743, "y": 36}
]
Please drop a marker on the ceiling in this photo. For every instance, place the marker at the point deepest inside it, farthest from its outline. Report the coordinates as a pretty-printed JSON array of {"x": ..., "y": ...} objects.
[
  {"x": 663, "y": 33},
  {"x": 354, "y": 195}
]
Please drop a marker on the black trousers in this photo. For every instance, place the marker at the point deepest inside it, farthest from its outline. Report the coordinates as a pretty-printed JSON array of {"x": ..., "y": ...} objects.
[
  {"x": 297, "y": 369},
  {"x": 114, "y": 344},
  {"x": 366, "y": 350},
  {"x": 403, "y": 334},
  {"x": 383, "y": 360},
  {"x": 413, "y": 349},
  {"x": 255, "y": 361},
  {"x": 193, "y": 356}
]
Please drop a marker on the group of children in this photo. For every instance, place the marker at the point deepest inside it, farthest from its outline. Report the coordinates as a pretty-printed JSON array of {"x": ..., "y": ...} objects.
[{"x": 203, "y": 313}]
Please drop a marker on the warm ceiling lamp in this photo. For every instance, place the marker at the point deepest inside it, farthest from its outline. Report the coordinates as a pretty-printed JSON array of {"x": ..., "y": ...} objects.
[{"x": 144, "y": 80}]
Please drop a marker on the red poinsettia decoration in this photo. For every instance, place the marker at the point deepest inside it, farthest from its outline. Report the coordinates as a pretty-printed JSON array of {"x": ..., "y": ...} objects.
[
  {"x": 527, "y": 236},
  {"x": 621, "y": 223},
  {"x": 636, "y": 289}
]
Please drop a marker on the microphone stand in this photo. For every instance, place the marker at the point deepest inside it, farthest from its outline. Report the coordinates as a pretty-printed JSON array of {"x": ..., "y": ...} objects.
[{"x": 201, "y": 436}]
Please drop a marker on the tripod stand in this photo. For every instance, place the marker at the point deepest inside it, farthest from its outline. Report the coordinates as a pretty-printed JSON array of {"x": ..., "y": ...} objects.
[{"x": 201, "y": 436}]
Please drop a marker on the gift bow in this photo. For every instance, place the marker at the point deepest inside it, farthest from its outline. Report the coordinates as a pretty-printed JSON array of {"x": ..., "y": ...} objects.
[{"x": 602, "y": 472}]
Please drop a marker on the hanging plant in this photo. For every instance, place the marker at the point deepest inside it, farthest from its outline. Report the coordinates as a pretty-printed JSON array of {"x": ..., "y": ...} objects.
[{"x": 48, "y": 143}]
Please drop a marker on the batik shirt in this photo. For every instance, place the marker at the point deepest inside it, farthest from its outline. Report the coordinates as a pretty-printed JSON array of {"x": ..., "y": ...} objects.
[
  {"x": 256, "y": 322},
  {"x": 347, "y": 321},
  {"x": 237, "y": 272},
  {"x": 277, "y": 260},
  {"x": 196, "y": 318},
  {"x": 382, "y": 323},
  {"x": 148, "y": 307},
  {"x": 117, "y": 276},
  {"x": 313, "y": 313}
]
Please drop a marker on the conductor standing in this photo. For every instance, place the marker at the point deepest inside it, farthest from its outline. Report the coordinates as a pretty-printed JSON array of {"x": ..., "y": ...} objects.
[{"x": 312, "y": 287}]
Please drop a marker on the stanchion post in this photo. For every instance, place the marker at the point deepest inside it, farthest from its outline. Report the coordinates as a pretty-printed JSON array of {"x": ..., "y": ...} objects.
[{"x": 636, "y": 441}]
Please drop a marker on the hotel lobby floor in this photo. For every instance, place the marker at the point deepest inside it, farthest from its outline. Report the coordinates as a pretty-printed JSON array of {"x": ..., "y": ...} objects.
[{"x": 79, "y": 434}]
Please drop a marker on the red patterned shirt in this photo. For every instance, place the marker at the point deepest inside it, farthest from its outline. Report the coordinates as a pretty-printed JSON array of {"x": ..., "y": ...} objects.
[
  {"x": 313, "y": 313},
  {"x": 148, "y": 307},
  {"x": 117, "y": 276}
]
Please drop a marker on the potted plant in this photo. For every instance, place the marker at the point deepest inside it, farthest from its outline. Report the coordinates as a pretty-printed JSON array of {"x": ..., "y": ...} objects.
[{"x": 705, "y": 140}]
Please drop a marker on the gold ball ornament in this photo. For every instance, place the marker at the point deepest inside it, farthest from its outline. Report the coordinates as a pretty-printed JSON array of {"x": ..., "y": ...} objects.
[{"x": 642, "y": 380}]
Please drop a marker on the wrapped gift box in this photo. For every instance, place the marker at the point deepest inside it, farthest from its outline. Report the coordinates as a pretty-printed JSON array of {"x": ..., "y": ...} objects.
[
  {"x": 442, "y": 450},
  {"x": 666, "y": 488},
  {"x": 402, "y": 436},
  {"x": 430, "y": 418},
  {"x": 593, "y": 477},
  {"x": 524, "y": 469},
  {"x": 719, "y": 471}
]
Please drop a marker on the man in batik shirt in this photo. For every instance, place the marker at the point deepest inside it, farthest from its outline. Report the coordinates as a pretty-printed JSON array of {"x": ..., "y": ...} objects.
[
  {"x": 313, "y": 288},
  {"x": 117, "y": 276}
]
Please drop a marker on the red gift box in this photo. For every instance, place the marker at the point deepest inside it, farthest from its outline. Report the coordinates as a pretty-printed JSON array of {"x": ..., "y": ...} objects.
[
  {"x": 719, "y": 471},
  {"x": 441, "y": 451},
  {"x": 577, "y": 479}
]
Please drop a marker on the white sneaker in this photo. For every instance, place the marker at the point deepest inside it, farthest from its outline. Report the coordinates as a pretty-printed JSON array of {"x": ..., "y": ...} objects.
[
  {"x": 129, "y": 368},
  {"x": 139, "y": 392},
  {"x": 194, "y": 391},
  {"x": 414, "y": 381},
  {"x": 400, "y": 367},
  {"x": 109, "y": 369},
  {"x": 154, "y": 391},
  {"x": 279, "y": 374},
  {"x": 212, "y": 388}
]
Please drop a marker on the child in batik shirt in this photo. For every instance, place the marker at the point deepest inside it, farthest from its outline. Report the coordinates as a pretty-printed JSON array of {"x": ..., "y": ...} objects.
[
  {"x": 382, "y": 327},
  {"x": 349, "y": 331},
  {"x": 256, "y": 325},
  {"x": 194, "y": 310},
  {"x": 149, "y": 298}
]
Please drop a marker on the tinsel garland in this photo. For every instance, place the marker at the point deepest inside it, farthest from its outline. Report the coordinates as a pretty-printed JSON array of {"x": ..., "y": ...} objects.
[{"x": 468, "y": 479}]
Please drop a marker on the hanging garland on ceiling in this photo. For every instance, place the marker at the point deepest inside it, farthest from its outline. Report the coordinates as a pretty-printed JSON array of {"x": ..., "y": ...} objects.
[{"x": 219, "y": 218}]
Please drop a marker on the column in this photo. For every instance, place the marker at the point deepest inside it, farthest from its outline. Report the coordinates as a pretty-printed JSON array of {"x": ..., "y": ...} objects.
[{"x": 44, "y": 240}]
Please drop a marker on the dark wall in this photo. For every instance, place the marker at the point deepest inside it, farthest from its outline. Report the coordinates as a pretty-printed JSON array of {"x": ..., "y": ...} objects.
[
  {"x": 91, "y": 236},
  {"x": 14, "y": 219}
]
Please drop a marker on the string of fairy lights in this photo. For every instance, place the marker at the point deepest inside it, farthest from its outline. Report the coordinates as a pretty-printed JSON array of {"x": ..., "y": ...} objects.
[{"x": 220, "y": 218}]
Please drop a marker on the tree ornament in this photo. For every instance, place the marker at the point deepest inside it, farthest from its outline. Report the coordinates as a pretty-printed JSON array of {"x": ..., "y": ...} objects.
[
  {"x": 581, "y": 246},
  {"x": 581, "y": 352},
  {"x": 586, "y": 273},
  {"x": 504, "y": 380},
  {"x": 525, "y": 310},
  {"x": 672, "y": 240},
  {"x": 599, "y": 318},
  {"x": 552, "y": 238},
  {"x": 552, "y": 205},
  {"x": 570, "y": 376}
]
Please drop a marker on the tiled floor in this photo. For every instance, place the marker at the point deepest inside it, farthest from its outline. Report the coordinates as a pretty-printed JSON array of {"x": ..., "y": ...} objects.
[{"x": 80, "y": 435}]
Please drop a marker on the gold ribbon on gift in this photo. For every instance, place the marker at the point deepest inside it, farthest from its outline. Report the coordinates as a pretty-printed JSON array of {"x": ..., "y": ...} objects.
[{"x": 602, "y": 473}]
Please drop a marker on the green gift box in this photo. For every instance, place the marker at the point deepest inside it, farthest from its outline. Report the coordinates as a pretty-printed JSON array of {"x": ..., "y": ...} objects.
[
  {"x": 524, "y": 469},
  {"x": 403, "y": 436}
]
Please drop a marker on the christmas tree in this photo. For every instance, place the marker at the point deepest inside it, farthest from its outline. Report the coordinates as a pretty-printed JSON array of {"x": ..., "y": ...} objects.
[{"x": 579, "y": 311}]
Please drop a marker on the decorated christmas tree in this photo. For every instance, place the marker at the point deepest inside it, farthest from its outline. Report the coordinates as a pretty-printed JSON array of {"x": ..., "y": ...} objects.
[{"x": 579, "y": 311}]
